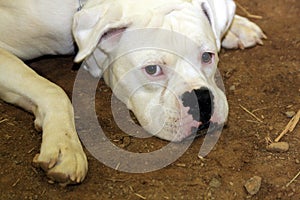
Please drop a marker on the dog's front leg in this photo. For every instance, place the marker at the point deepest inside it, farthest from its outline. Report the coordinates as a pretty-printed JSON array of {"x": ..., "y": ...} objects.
[{"x": 61, "y": 154}]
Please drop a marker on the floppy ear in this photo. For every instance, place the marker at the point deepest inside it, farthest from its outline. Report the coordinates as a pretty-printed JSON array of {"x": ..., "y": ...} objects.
[
  {"x": 96, "y": 60},
  {"x": 220, "y": 14},
  {"x": 94, "y": 23}
]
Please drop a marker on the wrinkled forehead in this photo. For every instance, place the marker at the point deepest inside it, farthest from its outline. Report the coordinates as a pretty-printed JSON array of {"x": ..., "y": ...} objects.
[
  {"x": 178, "y": 16},
  {"x": 149, "y": 44},
  {"x": 193, "y": 23},
  {"x": 157, "y": 45},
  {"x": 154, "y": 56}
]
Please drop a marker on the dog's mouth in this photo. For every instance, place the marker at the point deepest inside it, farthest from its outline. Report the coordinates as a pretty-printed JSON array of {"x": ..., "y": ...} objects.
[{"x": 195, "y": 114}]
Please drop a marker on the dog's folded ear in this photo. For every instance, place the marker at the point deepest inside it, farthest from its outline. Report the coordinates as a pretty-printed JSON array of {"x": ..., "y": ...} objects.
[
  {"x": 219, "y": 14},
  {"x": 94, "y": 24}
]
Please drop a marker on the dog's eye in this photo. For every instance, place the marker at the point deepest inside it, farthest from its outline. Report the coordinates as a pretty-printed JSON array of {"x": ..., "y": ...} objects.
[
  {"x": 153, "y": 70},
  {"x": 207, "y": 57}
]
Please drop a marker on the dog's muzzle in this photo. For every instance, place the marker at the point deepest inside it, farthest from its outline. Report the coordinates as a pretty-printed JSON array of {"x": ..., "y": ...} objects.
[{"x": 200, "y": 102}]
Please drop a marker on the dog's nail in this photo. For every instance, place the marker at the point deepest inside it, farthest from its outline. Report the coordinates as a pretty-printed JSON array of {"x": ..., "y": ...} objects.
[
  {"x": 264, "y": 36},
  {"x": 35, "y": 158},
  {"x": 241, "y": 45},
  {"x": 73, "y": 178},
  {"x": 52, "y": 163},
  {"x": 78, "y": 180},
  {"x": 259, "y": 41}
]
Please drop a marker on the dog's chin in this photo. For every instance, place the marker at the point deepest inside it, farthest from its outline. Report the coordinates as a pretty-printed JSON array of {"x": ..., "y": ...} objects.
[
  {"x": 176, "y": 132},
  {"x": 208, "y": 128},
  {"x": 189, "y": 131}
]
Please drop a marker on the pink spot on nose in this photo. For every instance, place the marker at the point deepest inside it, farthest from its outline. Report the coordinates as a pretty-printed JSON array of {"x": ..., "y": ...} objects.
[{"x": 187, "y": 123}]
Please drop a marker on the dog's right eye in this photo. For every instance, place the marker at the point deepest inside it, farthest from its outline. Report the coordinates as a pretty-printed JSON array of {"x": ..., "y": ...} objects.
[
  {"x": 153, "y": 70},
  {"x": 207, "y": 57}
]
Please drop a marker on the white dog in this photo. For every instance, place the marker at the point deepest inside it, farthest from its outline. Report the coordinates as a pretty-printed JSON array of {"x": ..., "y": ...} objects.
[{"x": 166, "y": 82}]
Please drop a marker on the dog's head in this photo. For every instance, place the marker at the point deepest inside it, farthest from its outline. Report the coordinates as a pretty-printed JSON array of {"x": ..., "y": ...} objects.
[{"x": 159, "y": 58}]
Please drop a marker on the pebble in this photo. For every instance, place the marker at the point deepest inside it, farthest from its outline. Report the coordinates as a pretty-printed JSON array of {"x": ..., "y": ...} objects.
[
  {"x": 125, "y": 142},
  {"x": 180, "y": 165},
  {"x": 290, "y": 114},
  {"x": 232, "y": 88},
  {"x": 215, "y": 183},
  {"x": 253, "y": 185},
  {"x": 278, "y": 147}
]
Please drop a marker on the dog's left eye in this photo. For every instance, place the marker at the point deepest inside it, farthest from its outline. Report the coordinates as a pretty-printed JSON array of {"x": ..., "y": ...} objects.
[
  {"x": 207, "y": 57},
  {"x": 153, "y": 70}
]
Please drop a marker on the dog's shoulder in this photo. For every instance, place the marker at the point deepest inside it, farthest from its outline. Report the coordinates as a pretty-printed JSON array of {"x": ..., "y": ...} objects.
[{"x": 32, "y": 28}]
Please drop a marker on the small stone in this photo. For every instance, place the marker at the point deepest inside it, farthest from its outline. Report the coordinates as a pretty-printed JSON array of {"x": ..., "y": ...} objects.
[
  {"x": 297, "y": 161},
  {"x": 253, "y": 185},
  {"x": 291, "y": 194},
  {"x": 278, "y": 147},
  {"x": 290, "y": 114},
  {"x": 232, "y": 88},
  {"x": 278, "y": 165},
  {"x": 215, "y": 183},
  {"x": 180, "y": 165},
  {"x": 125, "y": 142}
]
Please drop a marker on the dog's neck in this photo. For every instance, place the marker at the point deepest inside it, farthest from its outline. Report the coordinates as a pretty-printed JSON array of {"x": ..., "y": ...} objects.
[{"x": 81, "y": 4}]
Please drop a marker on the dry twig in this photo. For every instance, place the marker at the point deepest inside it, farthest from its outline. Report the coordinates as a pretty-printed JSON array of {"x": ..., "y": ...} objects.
[
  {"x": 117, "y": 167},
  {"x": 31, "y": 150},
  {"x": 43, "y": 192},
  {"x": 34, "y": 170},
  {"x": 290, "y": 126},
  {"x": 249, "y": 15},
  {"x": 250, "y": 113},
  {"x": 268, "y": 140},
  {"x": 259, "y": 109},
  {"x": 13, "y": 185},
  {"x": 117, "y": 180},
  {"x": 3, "y": 120},
  {"x": 252, "y": 121},
  {"x": 293, "y": 179},
  {"x": 140, "y": 196}
]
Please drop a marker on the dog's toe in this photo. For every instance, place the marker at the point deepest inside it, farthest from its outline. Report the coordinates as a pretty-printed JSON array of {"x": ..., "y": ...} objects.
[
  {"x": 65, "y": 163},
  {"x": 243, "y": 34}
]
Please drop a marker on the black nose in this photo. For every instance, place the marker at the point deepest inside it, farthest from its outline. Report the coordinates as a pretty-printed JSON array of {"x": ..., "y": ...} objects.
[{"x": 200, "y": 102}]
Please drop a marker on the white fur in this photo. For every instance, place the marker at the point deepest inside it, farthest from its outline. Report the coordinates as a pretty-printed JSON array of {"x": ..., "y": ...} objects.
[{"x": 30, "y": 29}]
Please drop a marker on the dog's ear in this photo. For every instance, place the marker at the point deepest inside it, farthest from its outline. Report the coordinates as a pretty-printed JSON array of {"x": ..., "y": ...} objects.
[
  {"x": 219, "y": 14},
  {"x": 94, "y": 24},
  {"x": 96, "y": 60}
]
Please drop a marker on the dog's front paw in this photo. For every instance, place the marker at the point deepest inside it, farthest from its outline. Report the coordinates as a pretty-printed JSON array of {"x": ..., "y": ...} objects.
[
  {"x": 63, "y": 159},
  {"x": 243, "y": 34}
]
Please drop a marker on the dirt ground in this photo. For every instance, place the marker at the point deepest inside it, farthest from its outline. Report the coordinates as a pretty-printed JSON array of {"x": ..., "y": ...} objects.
[{"x": 264, "y": 79}]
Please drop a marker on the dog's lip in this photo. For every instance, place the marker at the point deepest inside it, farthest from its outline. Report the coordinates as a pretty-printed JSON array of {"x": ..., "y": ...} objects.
[
  {"x": 210, "y": 126},
  {"x": 204, "y": 126},
  {"x": 187, "y": 124}
]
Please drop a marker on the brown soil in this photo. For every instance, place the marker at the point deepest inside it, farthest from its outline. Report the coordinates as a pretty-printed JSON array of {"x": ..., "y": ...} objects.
[{"x": 266, "y": 79}]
